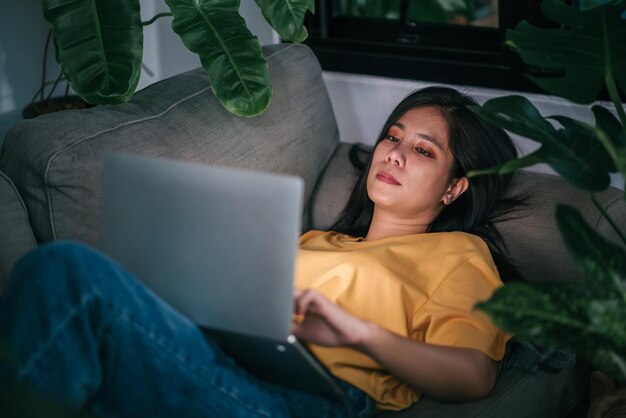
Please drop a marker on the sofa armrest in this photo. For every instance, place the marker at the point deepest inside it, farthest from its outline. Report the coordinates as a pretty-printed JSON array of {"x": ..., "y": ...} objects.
[{"x": 17, "y": 236}]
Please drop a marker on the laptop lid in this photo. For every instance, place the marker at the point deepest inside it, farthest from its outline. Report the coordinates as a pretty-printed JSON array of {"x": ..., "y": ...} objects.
[{"x": 188, "y": 230}]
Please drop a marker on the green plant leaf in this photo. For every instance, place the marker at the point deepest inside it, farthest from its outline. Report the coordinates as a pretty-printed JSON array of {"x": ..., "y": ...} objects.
[
  {"x": 287, "y": 17},
  {"x": 510, "y": 166},
  {"x": 591, "y": 4},
  {"x": 548, "y": 313},
  {"x": 572, "y": 151},
  {"x": 518, "y": 115},
  {"x": 229, "y": 53},
  {"x": 99, "y": 45},
  {"x": 426, "y": 11},
  {"x": 582, "y": 140},
  {"x": 593, "y": 49},
  {"x": 612, "y": 135},
  {"x": 610, "y": 124},
  {"x": 621, "y": 164},
  {"x": 603, "y": 264},
  {"x": 563, "y": 316}
]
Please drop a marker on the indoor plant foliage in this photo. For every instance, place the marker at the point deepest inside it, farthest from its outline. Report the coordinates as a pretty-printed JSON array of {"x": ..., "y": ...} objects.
[
  {"x": 99, "y": 46},
  {"x": 588, "y": 51}
]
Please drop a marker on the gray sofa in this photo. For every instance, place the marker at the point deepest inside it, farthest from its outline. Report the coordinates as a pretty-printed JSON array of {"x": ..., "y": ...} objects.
[{"x": 50, "y": 173}]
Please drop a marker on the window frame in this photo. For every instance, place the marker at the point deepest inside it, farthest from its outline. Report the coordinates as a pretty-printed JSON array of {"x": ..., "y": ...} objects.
[{"x": 449, "y": 54}]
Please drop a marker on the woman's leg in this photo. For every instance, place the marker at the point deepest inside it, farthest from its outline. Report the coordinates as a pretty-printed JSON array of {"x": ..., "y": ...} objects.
[{"x": 86, "y": 332}]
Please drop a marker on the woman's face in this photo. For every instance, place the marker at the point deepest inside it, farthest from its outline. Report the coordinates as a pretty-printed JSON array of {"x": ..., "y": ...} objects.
[{"x": 410, "y": 174}]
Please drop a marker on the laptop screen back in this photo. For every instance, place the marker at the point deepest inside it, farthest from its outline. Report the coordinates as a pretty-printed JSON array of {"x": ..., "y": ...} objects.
[{"x": 218, "y": 244}]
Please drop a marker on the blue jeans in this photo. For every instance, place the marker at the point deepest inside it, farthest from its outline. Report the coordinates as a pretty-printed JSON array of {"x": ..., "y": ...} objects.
[{"x": 86, "y": 332}]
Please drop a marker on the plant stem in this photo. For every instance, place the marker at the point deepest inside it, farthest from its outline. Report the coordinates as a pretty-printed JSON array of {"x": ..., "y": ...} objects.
[
  {"x": 154, "y": 19},
  {"x": 608, "y": 76},
  {"x": 43, "y": 71},
  {"x": 614, "y": 95},
  {"x": 54, "y": 87},
  {"x": 605, "y": 140},
  {"x": 608, "y": 218}
]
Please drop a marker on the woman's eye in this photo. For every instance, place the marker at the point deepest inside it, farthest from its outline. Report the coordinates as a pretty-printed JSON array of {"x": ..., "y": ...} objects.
[
  {"x": 423, "y": 152},
  {"x": 392, "y": 138}
]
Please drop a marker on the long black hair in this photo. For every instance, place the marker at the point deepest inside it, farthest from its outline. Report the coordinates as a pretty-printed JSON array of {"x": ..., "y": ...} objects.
[{"x": 474, "y": 144}]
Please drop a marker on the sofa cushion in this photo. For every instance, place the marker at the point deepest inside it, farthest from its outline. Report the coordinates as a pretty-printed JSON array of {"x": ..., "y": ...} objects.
[
  {"x": 534, "y": 240},
  {"x": 517, "y": 394},
  {"x": 16, "y": 237},
  {"x": 55, "y": 160},
  {"x": 532, "y": 237},
  {"x": 334, "y": 187}
]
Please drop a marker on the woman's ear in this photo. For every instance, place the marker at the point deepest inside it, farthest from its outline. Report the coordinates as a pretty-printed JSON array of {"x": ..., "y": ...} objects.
[{"x": 455, "y": 189}]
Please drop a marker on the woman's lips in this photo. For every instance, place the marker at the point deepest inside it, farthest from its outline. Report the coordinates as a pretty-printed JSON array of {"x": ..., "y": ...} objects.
[{"x": 387, "y": 178}]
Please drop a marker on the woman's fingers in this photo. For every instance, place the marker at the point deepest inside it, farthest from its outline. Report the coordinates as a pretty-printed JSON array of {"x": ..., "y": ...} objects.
[
  {"x": 309, "y": 300},
  {"x": 321, "y": 321}
]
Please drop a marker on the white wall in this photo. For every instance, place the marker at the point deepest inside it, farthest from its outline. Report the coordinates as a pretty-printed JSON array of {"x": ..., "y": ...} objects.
[{"x": 23, "y": 31}]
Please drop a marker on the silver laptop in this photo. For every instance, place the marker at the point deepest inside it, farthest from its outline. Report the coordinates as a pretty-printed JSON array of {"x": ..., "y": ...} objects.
[{"x": 219, "y": 245}]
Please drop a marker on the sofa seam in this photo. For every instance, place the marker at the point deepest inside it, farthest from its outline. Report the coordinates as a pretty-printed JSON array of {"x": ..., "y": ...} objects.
[
  {"x": 280, "y": 51},
  {"x": 606, "y": 209}
]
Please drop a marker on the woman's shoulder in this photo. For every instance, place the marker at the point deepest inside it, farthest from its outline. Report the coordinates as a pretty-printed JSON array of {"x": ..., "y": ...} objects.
[
  {"x": 455, "y": 247},
  {"x": 454, "y": 241},
  {"x": 464, "y": 239}
]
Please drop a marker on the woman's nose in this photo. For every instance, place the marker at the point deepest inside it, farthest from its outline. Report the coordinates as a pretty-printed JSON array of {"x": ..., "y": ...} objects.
[{"x": 396, "y": 155}]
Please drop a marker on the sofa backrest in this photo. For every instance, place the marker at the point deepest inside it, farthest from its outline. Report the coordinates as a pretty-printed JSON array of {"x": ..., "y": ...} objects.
[
  {"x": 55, "y": 160},
  {"x": 532, "y": 237}
]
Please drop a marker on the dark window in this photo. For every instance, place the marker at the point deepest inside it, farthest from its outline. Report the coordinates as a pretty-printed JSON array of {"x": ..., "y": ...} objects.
[{"x": 445, "y": 41}]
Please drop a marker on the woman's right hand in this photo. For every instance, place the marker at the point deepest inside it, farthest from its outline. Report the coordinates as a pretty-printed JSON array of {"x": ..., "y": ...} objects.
[{"x": 324, "y": 323}]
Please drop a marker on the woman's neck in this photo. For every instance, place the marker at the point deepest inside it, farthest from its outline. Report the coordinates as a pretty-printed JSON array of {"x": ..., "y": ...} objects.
[{"x": 386, "y": 225}]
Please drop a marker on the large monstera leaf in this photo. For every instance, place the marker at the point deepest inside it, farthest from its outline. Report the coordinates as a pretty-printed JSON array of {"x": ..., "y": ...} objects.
[
  {"x": 99, "y": 45},
  {"x": 591, "y": 53},
  {"x": 573, "y": 151},
  {"x": 586, "y": 317},
  {"x": 287, "y": 17},
  {"x": 230, "y": 54}
]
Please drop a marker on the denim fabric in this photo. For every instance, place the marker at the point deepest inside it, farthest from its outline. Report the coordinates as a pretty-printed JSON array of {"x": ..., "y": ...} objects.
[{"x": 86, "y": 332}]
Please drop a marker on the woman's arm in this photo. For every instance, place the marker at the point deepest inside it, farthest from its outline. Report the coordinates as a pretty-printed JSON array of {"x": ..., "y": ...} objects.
[{"x": 446, "y": 373}]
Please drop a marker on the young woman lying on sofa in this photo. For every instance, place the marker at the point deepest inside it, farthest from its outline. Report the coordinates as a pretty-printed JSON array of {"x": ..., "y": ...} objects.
[{"x": 386, "y": 298}]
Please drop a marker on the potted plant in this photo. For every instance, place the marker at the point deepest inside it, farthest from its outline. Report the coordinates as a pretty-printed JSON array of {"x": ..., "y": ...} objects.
[
  {"x": 43, "y": 103},
  {"x": 589, "y": 51},
  {"x": 99, "y": 46}
]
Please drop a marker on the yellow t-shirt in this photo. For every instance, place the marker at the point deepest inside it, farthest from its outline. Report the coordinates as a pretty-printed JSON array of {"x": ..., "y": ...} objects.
[{"x": 421, "y": 286}]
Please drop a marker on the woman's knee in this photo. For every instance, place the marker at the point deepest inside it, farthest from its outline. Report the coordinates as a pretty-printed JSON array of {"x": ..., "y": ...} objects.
[{"x": 52, "y": 265}]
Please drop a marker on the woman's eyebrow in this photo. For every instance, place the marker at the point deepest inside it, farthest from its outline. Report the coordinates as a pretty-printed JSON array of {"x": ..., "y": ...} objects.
[
  {"x": 430, "y": 139},
  {"x": 427, "y": 137}
]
